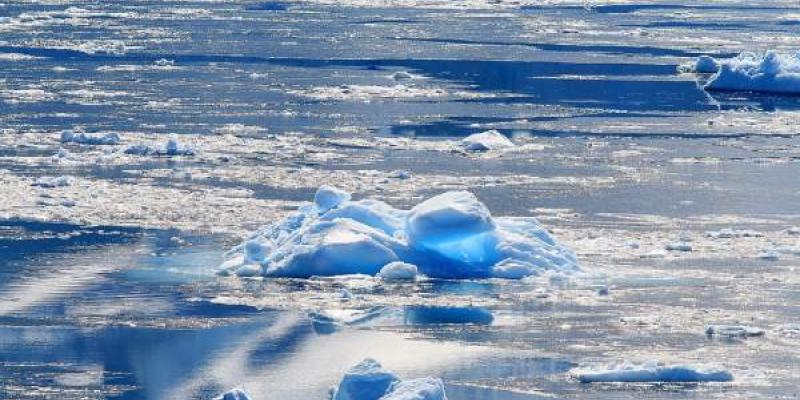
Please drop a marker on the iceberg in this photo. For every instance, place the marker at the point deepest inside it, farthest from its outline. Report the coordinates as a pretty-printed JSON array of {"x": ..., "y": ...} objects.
[
  {"x": 368, "y": 380},
  {"x": 768, "y": 72},
  {"x": 655, "y": 372},
  {"x": 234, "y": 394},
  {"x": 452, "y": 235},
  {"x": 109, "y": 138},
  {"x": 485, "y": 141}
]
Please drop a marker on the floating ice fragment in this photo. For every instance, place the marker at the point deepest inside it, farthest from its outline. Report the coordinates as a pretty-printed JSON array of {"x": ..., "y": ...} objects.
[
  {"x": 398, "y": 270},
  {"x": 767, "y": 72},
  {"x": 679, "y": 246},
  {"x": 702, "y": 65},
  {"x": 769, "y": 255},
  {"x": 108, "y": 138},
  {"x": 402, "y": 75},
  {"x": 733, "y": 331},
  {"x": 728, "y": 233},
  {"x": 367, "y": 380},
  {"x": 52, "y": 182},
  {"x": 400, "y": 174},
  {"x": 171, "y": 148},
  {"x": 417, "y": 389},
  {"x": 234, "y": 394},
  {"x": 485, "y": 141},
  {"x": 655, "y": 372},
  {"x": 452, "y": 235},
  {"x": 437, "y": 315}
]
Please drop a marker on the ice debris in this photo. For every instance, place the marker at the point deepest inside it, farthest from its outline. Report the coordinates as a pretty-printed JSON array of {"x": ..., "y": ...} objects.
[
  {"x": 485, "y": 141},
  {"x": 728, "y": 233},
  {"x": 655, "y": 372},
  {"x": 368, "y": 380},
  {"x": 171, "y": 148},
  {"x": 679, "y": 246},
  {"x": 397, "y": 271},
  {"x": 767, "y": 72},
  {"x": 108, "y": 138},
  {"x": 234, "y": 394},
  {"x": 451, "y": 235},
  {"x": 738, "y": 331}
]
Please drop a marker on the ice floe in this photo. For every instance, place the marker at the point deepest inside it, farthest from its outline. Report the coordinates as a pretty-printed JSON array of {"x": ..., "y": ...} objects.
[
  {"x": 488, "y": 140},
  {"x": 767, "y": 72},
  {"x": 654, "y": 372},
  {"x": 171, "y": 148},
  {"x": 452, "y": 235},
  {"x": 733, "y": 331},
  {"x": 702, "y": 65},
  {"x": 728, "y": 233},
  {"x": 368, "y": 380}
]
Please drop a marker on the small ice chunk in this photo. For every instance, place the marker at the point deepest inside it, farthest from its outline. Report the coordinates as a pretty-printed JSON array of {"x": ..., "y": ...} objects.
[
  {"x": 398, "y": 270},
  {"x": 679, "y": 246},
  {"x": 769, "y": 255},
  {"x": 328, "y": 197},
  {"x": 655, "y": 372},
  {"x": 367, "y": 380},
  {"x": 733, "y": 331},
  {"x": 108, "y": 138},
  {"x": 728, "y": 233},
  {"x": 402, "y": 75},
  {"x": 706, "y": 65},
  {"x": 52, "y": 182},
  {"x": 234, "y": 394},
  {"x": 417, "y": 389},
  {"x": 485, "y": 141},
  {"x": 794, "y": 231},
  {"x": 400, "y": 174}
]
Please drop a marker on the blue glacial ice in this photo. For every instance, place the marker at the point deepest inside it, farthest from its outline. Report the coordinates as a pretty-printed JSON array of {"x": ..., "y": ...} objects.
[
  {"x": 655, "y": 372},
  {"x": 452, "y": 235},
  {"x": 368, "y": 380},
  {"x": 767, "y": 72}
]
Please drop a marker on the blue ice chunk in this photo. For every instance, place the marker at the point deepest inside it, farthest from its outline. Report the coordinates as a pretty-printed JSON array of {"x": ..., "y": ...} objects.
[{"x": 367, "y": 380}]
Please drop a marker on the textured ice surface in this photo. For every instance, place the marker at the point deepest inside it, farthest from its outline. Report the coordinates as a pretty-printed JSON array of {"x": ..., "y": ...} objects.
[
  {"x": 767, "y": 72},
  {"x": 655, "y": 372},
  {"x": 450, "y": 235}
]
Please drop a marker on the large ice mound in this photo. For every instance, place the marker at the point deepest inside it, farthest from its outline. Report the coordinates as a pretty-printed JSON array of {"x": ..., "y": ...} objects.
[
  {"x": 368, "y": 380},
  {"x": 452, "y": 235},
  {"x": 768, "y": 72},
  {"x": 655, "y": 372}
]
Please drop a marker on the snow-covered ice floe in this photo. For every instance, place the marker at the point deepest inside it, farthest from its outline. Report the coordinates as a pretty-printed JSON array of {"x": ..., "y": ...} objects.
[
  {"x": 368, "y": 380},
  {"x": 234, "y": 394},
  {"x": 654, "y": 372},
  {"x": 768, "y": 72},
  {"x": 733, "y": 331},
  {"x": 451, "y": 235}
]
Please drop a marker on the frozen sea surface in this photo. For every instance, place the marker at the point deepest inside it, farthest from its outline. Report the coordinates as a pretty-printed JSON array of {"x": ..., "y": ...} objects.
[{"x": 108, "y": 244}]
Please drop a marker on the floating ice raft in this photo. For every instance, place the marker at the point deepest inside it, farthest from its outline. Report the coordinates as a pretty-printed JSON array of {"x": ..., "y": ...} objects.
[
  {"x": 451, "y": 235},
  {"x": 655, "y": 372},
  {"x": 768, "y": 72}
]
